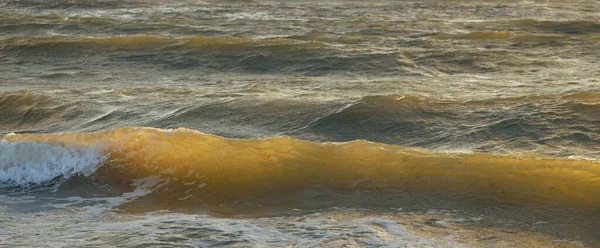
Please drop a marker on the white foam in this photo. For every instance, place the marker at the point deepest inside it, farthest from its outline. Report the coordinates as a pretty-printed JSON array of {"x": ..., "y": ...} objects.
[{"x": 27, "y": 163}]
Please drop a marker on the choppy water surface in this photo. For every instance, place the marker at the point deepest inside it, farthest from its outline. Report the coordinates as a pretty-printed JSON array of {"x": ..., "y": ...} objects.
[{"x": 299, "y": 123}]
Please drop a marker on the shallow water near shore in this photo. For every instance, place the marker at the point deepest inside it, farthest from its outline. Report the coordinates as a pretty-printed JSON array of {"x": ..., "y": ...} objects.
[{"x": 299, "y": 123}]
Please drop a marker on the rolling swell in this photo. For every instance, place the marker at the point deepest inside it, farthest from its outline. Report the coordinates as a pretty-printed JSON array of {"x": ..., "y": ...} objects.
[
  {"x": 211, "y": 53},
  {"x": 486, "y": 125},
  {"x": 560, "y": 125},
  {"x": 193, "y": 167},
  {"x": 449, "y": 91},
  {"x": 27, "y": 110}
]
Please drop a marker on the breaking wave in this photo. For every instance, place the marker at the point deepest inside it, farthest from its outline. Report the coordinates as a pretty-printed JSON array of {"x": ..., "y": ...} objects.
[
  {"x": 27, "y": 163},
  {"x": 194, "y": 167}
]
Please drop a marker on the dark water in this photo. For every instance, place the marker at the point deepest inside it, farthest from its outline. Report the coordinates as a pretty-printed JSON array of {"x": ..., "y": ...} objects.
[{"x": 299, "y": 123}]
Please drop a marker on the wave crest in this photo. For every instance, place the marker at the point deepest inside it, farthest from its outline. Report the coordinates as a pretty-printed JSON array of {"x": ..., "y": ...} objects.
[
  {"x": 27, "y": 163},
  {"x": 197, "y": 167}
]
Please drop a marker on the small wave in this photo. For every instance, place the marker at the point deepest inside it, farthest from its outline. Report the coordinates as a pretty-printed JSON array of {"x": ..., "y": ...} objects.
[
  {"x": 25, "y": 109},
  {"x": 198, "y": 167},
  {"x": 492, "y": 35},
  {"x": 214, "y": 53},
  {"x": 488, "y": 124},
  {"x": 566, "y": 27},
  {"x": 504, "y": 35},
  {"x": 156, "y": 41}
]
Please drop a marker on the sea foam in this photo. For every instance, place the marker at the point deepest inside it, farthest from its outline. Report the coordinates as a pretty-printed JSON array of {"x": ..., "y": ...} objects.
[{"x": 25, "y": 163}]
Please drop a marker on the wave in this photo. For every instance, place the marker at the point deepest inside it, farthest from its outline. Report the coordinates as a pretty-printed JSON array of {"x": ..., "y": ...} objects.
[
  {"x": 555, "y": 124},
  {"x": 210, "y": 54},
  {"x": 29, "y": 163},
  {"x": 157, "y": 41},
  {"x": 196, "y": 167},
  {"x": 505, "y": 35},
  {"x": 478, "y": 35},
  {"x": 566, "y": 27},
  {"x": 536, "y": 122},
  {"x": 26, "y": 110}
]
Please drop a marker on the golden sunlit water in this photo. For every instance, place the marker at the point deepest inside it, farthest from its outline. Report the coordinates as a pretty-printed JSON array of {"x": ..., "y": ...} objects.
[{"x": 299, "y": 123}]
